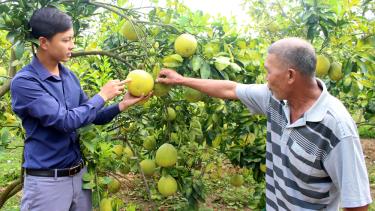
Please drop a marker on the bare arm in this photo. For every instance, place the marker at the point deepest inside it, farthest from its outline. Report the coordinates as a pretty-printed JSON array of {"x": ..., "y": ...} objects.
[
  {"x": 364, "y": 208},
  {"x": 224, "y": 89}
]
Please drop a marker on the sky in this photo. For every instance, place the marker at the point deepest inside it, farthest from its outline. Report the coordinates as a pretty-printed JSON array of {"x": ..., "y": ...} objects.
[{"x": 213, "y": 7}]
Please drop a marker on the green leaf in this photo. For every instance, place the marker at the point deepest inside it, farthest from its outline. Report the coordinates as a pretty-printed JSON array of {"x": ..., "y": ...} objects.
[
  {"x": 11, "y": 36},
  {"x": 16, "y": 62},
  {"x": 196, "y": 63},
  {"x": 4, "y": 135},
  {"x": 205, "y": 70},
  {"x": 121, "y": 3},
  {"x": 106, "y": 180},
  {"x": 88, "y": 186},
  {"x": 221, "y": 62},
  {"x": 4, "y": 8},
  {"x": 89, "y": 146},
  {"x": 235, "y": 67},
  {"x": 366, "y": 83},
  {"x": 310, "y": 32},
  {"x": 173, "y": 60},
  {"x": 87, "y": 177},
  {"x": 325, "y": 31},
  {"x": 19, "y": 48},
  {"x": 3, "y": 26}
]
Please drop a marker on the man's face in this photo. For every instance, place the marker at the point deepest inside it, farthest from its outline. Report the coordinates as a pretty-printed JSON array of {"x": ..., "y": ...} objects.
[
  {"x": 277, "y": 76},
  {"x": 60, "y": 46}
]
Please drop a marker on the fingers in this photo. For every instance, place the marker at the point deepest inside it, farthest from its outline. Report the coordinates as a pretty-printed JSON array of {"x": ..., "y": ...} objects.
[
  {"x": 165, "y": 72},
  {"x": 161, "y": 80},
  {"x": 127, "y": 80}
]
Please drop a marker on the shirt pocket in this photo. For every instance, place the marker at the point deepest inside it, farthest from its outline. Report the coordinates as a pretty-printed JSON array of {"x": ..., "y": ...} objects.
[{"x": 305, "y": 161}]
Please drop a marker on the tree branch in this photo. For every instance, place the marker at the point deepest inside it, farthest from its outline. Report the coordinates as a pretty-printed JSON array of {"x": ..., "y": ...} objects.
[
  {"x": 11, "y": 72},
  {"x": 159, "y": 24},
  {"x": 7, "y": 193},
  {"x": 98, "y": 4},
  {"x": 104, "y": 53}
]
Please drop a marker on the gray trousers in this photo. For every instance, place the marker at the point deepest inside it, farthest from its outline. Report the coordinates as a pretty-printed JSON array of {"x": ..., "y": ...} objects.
[{"x": 55, "y": 194}]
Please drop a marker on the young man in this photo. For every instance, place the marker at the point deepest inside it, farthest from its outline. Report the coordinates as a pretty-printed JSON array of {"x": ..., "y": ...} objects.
[
  {"x": 314, "y": 156},
  {"x": 51, "y": 104}
]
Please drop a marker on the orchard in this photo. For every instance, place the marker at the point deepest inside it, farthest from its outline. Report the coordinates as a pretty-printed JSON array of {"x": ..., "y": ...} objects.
[{"x": 182, "y": 149}]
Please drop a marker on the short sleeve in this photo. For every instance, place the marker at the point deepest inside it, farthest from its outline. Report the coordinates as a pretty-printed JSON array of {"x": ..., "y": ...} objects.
[
  {"x": 255, "y": 96},
  {"x": 346, "y": 166}
]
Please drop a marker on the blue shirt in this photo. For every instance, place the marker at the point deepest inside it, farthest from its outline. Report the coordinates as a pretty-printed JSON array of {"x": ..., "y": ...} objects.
[{"x": 52, "y": 108}]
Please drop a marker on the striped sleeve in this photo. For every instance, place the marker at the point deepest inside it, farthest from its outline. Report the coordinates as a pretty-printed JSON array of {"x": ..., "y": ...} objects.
[{"x": 346, "y": 166}]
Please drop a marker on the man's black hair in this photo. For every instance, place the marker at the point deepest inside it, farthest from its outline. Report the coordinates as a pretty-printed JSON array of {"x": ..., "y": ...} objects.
[{"x": 48, "y": 21}]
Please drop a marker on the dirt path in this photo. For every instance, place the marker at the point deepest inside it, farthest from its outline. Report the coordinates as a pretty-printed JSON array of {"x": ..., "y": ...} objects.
[{"x": 369, "y": 152}]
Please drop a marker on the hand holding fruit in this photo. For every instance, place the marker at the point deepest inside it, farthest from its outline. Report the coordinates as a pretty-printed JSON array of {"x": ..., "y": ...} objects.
[
  {"x": 170, "y": 77},
  {"x": 130, "y": 100},
  {"x": 112, "y": 89}
]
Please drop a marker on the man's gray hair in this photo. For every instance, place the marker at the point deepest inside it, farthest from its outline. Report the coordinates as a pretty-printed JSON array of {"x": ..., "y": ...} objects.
[{"x": 296, "y": 53}]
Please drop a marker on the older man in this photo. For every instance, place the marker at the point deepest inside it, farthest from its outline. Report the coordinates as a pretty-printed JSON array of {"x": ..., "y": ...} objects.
[{"x": 314, "y": 156}]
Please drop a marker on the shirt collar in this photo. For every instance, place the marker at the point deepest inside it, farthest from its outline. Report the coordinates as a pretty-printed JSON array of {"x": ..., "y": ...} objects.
[
  {"x": 318, "y": 110},
  {"x": 43, "y": 72}
]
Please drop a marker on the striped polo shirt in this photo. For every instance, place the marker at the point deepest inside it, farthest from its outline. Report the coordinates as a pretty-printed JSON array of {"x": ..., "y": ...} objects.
[{"x": 315, "y": 163}]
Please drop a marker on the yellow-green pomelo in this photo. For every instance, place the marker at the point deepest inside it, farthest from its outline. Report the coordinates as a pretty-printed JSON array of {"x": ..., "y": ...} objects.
[
  {"x": 148, "y": 167},
  {"x": 141, "y": 82},
  {"x": 171, "y": 114},
  {"x": 167, "y": 186},
  {"x": 166, "y": 155},
  {"x": 192, "y": 95},
  {"x": 130, "y": 31},
  {"x": 263, "y": 167},
  {"x": 185, "y": 45},
  {"x": 161, "y": 89},
  {"x": 106, "y": 204},
  {"x": 118, "y": 150},
  {"x": 236, "y": 180},
  {"x": 128, "y": 152},
  {"x": 3, "y": 71},
  {"x": 335, "y": 72},
  {"x": 322, "y": 66},
  {"x": 114, "y": 186},
  {"x": 149, "y": 143}
]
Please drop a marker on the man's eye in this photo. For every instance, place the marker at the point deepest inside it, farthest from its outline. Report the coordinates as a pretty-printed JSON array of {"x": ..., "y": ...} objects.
[{"x": 68, "y": 40}]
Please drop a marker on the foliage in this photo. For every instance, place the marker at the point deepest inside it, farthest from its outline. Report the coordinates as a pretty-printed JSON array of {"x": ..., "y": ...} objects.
[{"x": 337, "y": 29}]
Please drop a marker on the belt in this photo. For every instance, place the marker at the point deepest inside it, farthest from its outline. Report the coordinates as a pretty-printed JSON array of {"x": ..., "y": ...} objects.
[{"x": 56, "y": 172}]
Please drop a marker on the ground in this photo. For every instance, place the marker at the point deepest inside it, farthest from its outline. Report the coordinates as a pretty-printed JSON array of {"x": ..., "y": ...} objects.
[
  {"x": 221, "y": 196},
  {"x": 369, "y": 151}
]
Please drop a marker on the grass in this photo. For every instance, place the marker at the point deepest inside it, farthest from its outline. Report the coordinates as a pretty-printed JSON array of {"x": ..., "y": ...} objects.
[
  {"x": 10, "y": 163},
  {"x": 367, "y": 131},
  {"x": 371, "y": 175}
]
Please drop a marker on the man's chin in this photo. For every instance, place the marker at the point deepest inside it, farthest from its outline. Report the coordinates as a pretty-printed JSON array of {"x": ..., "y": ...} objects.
[{"x": 65, "y": 59}]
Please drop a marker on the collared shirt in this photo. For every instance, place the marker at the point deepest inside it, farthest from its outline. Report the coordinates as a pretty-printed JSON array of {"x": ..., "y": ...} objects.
[
  {"x": 52, "y": 108},
  {"x": 314, "y": 163}
]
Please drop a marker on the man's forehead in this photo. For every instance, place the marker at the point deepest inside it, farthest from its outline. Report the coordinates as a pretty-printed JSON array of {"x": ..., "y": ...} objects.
[{"x": 67, "y": 33}]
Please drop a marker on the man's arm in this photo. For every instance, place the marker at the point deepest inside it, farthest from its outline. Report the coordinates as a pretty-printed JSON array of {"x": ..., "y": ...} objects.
[
  {"x": 364, "y": 208},
  {"x": 224, "y": 89},
  {"x": 29, "y": 98}
]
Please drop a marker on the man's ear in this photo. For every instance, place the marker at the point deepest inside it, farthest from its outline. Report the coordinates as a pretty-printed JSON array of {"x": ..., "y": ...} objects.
[
  {"x": 292, "y": 74},
  {"x": 43, "y": 43}
]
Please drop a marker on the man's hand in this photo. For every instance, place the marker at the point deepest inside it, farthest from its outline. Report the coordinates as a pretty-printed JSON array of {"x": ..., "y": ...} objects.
[
  {"x": 130, "y": 100},
  {"x": 112, "y": 89},
  {"x": 170, "y": 77}
]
